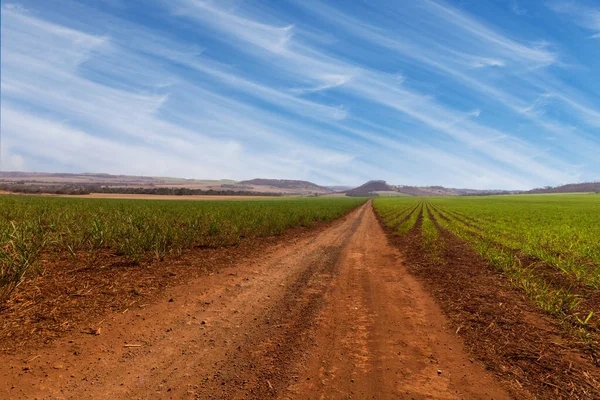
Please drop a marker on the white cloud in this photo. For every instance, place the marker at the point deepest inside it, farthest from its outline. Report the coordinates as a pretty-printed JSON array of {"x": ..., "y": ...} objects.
[
  {"x": 524, "y": 60},
  {"x": 585, "y": 16},
  {"x": 329, "y": 82},
  {"x": 310, "y": 63},
  {"x": 271, "y": 38},
  {"x": 456, "y": 63},
  {"x": 511, "y": 48},
  {"x": 87, "y": 123},
  {"x": 517, "y": 9}
]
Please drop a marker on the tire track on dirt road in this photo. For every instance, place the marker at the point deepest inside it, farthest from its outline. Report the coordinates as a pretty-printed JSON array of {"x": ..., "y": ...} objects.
[
  {"x": 382, "y": 337},
  {"x": 330, "y": 316}
]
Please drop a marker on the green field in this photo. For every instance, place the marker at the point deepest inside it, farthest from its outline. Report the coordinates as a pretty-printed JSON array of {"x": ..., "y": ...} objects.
[
  {"x": 33, "y": 229},
  {"x": 548, "y": 246}
]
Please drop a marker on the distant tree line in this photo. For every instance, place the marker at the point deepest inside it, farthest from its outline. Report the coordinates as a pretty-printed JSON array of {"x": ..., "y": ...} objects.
[
  {"x": 73, "y": 189},
  {"x": 356, "y": 193},
  {"x": 587, "y": 187},
  {"x": 44, "y": 189},
  {"x": 180, "y": 191}
]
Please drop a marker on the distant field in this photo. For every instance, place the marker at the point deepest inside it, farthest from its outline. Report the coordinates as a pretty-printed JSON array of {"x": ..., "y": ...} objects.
[
  {"x": 548, "y": 246},
  {"x": 391, "y": 194},
  {"x": 165, "y": 197},
  {"x": 36, "y": 229},
  {"x": 144, "y": 196}
]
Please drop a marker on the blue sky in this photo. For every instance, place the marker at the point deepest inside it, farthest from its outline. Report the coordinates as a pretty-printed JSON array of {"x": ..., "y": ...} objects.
[{"x": 494, "y": 94}]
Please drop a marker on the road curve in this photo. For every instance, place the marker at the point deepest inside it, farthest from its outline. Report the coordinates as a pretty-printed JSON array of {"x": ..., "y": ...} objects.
[{"x": 333, "y": 316}]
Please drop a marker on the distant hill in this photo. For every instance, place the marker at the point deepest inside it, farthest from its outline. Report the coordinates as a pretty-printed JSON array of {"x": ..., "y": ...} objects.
[
  {"x": 370, "y": 189},
  {"x": 97, "y": 182},
  {"x": 382, "y": 188},
  {"x": 287, "y": 184},
  {"x": 339, "y": 188},
  {"x": 101, "y": 182},
  {"x": 586, "y": 187},
  {"x": 426, "y": 191},
  {"x": 443, "y": 191},
  {"x": 376, "y": 188}
]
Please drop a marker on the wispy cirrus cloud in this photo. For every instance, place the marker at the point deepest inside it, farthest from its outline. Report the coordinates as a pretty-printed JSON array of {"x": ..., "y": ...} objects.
[
  {"x": 456, "y": 64},
  {"x": 376, "y": 87},
  {"x": 420, "y": 94},
  {"x": 44, "y": 84},
  {"x": 586, "y": 16},
  {"x": 536, "y": 53}
]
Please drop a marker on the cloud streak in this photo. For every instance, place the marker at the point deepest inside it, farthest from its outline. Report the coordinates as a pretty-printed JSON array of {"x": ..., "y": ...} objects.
[{"x": 585, "y": 16}]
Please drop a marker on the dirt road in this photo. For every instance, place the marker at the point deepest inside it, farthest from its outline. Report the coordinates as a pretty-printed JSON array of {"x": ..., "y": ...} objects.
[{"x": 331, "y": 316}]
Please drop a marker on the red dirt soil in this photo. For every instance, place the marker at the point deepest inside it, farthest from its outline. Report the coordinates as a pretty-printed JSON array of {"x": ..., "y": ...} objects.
[{"x": 333, "y": 314}]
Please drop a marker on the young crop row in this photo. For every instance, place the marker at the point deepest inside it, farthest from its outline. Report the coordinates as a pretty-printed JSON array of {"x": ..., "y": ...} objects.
[
  {"x": 548, "y": 246},
  {"x": 557, "y": 300},
  {"x": 402, "y": 214},
  {"x": 560, "y": 231},
  {"x": 398, "y": 213},
  {"x": 430, "y": 234},
  {"x": 32, "y": 228}
]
